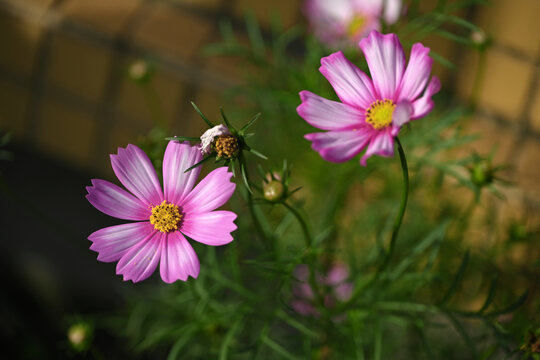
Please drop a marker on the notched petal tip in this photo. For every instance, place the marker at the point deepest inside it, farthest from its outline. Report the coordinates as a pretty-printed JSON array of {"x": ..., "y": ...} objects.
[
  {"x": 304, "y": 94},
  {"x": 421, "y": 48},
  {"x": 178, "y": 260},
  {"x": 377, "y": 36},
  {"x": 331, "y": 58}
]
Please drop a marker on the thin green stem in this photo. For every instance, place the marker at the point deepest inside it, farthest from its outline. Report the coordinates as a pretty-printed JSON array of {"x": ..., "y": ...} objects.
[
  {"x": 478, "y": 79},
  {"x": 402, "y": 207},
  {"x": 462, "y": 223},
  {"x": 251, "y": 206},
  {"x": 377, "y": 343},
  {"x": 302, "y": 222},
  {"x": 154, "y": 104},
  {"x": 395, "y": 229},
  {"x": 309, "y": 243}
]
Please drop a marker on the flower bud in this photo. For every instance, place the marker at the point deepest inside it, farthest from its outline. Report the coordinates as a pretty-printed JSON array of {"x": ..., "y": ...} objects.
[
  {"x": 80, "y": 336},
  {"x": 479, "y": 37},
  {"x": 482, "y": 173},
  {"x": 273, "y": 176},
  {"x": 273, "y": 190},
  {"x": 140, "y": 72}
]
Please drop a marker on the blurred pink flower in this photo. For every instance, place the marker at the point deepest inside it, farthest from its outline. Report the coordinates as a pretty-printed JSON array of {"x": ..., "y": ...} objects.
[
  {"x": 371, "y": 112},
  {"x": 335, "y": 283},
  {"x": 339, "y": 23},
  {"x": 164, "y": 217}
]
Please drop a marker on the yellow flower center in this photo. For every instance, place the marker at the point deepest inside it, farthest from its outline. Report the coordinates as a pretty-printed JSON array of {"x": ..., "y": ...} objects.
[
  {"x": 165, "y": 217},
  {"x": 379, "y": 114},
  {"x": 356, "y": 25}
]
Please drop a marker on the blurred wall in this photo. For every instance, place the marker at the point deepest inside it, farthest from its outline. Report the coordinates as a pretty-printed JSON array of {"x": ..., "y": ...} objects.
[
  {"x": 63, "y": 88},
  {"x": 508, "y": 95},
  {"x": 63, "y": 83}
]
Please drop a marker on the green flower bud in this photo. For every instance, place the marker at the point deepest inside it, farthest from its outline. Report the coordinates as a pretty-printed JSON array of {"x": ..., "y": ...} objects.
[
  {"x": 273, "y": 190},
  {"x": 80, "y": 336},
  {"x": 482, "y": 173},
  {"x": 140, "y": 72}
]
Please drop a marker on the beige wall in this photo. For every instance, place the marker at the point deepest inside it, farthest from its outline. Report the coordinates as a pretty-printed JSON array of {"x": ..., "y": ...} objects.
[{"x": 508, "y": 97}]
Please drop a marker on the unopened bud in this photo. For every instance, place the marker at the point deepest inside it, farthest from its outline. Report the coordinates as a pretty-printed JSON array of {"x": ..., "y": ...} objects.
[
  {"x": 271, "y": 176},
  {"x": 481, "y": 173},
  {"x": 273, "y": 190},
  {"x": 79, "y": 335},
  {"x": 479, "y": 37},
  {"x": 140, "y": 71}
]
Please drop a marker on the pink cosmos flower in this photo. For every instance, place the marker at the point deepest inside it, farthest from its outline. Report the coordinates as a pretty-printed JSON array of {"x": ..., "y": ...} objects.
[
  {"x": 371, "y": 112},
  {"x": 340, "y": 23},
  {"x": 335, "y": 284},
  {"x": 163, "y": 218}
]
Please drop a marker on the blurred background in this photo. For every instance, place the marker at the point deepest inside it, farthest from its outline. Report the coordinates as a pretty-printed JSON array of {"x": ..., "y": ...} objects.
[{"x": 67, "y": 101}]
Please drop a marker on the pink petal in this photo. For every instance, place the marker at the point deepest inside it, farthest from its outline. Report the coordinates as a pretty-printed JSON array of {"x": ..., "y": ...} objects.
[
  {"x": 135, "y": 171},
  {"x": 142, "y": 259},
  {"x": 324, "y": 10},
  {"x": 417, "y": 73},
  {"x": 211, "y": 228},
  {"x": 115, "y": 201},
  {"x": 340, "y": 146},
  {"x": 386, "y": 61},
  {"x": 402, "y": 113},
  {"x": 369, "y": 7},
  {"x": 326, "y": 114},
  {"x": 115, "y": 241},
  {"x": 337, "y": 274},
  {"x": 352, "y": 85},
  {"x": 304, "y": 308},
  {"x": 179, "y": 157},
  {"x": 423, "y": 106},
  {"x": 343, "y": 292},
  {"x": 303, "y": 290},
  {"x": 381, "y": 144},
  {"x": 392, "y": 11},
  {"x": 212, "y": 192},
  {"x": 178, "y": 259}
]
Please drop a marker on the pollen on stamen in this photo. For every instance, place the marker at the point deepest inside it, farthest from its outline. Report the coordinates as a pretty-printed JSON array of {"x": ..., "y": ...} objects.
[
  {"x": 226, "y": 146},
  {"x": 379, "y": 114},
  {"x": 165, "y": 217}
]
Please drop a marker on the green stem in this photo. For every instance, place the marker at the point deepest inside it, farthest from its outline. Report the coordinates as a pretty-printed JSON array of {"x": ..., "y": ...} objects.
[
  {"x": 395, "y": 229},
  {"x": 302, "y": 222},
  {"x": 251, "y": 205},
  {"x": 478, "y": 79},
  {"x": 402, "y": 207},
  {"x": 377, "y": 343},
  {"x": 309, "y": 243},
  {"x": 154, "y": 104},
  {"x": 255, "y": 219},
  {"x": 462, "y": 224}
]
